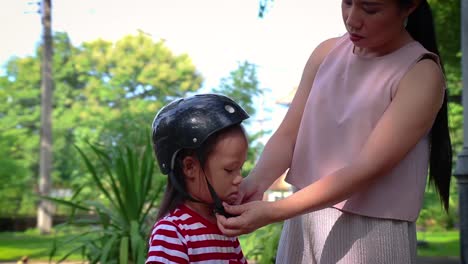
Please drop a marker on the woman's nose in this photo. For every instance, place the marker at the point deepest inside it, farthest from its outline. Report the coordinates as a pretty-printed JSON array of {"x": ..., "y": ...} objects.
[{"x": 353, "y": 20}]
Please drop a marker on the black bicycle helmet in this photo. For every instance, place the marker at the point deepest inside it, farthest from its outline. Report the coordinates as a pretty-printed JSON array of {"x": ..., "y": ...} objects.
[{"x": 186, "y": 123}]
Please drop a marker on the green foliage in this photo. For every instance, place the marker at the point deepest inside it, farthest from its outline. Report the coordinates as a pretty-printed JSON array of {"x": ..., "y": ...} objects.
[
  {"x": 128, "y": 190},
  {"x": 262, "y": 244},
  {"x": 447, "y": 16},
  {"x": 103, "y": 91},
  {"x": 433, "y": 217},
  {"x": 14, "y": 178},
  {"x": 242, "y": 86}
]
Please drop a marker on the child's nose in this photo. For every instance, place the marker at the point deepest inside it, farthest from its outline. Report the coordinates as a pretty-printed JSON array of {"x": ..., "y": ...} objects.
[{"x": 238, "y": 179}]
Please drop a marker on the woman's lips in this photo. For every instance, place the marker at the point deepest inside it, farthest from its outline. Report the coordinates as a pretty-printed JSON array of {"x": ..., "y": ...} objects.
[{"x": 355, "y": 37}]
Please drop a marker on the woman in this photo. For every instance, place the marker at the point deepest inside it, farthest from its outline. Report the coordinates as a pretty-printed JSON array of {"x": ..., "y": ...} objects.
[{"x": 367, "y": 122}]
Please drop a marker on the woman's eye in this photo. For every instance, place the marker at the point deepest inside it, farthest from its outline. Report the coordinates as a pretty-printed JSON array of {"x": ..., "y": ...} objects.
[
  {"x": 228, "y": 171},
  {"x": 370, "y": 11},
  {"x": 347, "y": 2}
]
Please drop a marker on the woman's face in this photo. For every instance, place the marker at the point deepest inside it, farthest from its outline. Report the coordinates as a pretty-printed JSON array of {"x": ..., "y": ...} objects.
[
  {"x": 224, "y": 165},
  {"x": 373, "y": 23}
]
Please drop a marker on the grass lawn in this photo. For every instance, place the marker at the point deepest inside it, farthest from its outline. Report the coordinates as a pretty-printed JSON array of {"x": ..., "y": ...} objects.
[
  {"x": 15, "y": 245},
  {"x": 443, "y": 243}
]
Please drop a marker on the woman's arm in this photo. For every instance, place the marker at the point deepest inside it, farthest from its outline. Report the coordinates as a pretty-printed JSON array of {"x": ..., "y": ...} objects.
[
  {"x": 277, "y": 154},
  {"x": 407, "y": 119}
]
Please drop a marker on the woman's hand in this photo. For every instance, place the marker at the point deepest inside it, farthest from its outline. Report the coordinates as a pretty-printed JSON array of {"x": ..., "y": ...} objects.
[
  {"x": 250, "y": 191},
  {"x": 250, "y": 216}
]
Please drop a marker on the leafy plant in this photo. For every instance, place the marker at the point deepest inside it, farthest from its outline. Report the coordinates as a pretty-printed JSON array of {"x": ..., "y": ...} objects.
[
  {"x": 118, "y": 229},
  {"x": 262, "y": 244}
]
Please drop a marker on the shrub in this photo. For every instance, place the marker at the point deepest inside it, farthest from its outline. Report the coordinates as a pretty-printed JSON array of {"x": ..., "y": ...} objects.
[{"x": 127, "y": 191}]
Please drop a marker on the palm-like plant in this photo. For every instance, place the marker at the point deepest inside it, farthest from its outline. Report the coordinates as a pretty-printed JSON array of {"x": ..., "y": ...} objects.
[{"x": 125, "y": 178}]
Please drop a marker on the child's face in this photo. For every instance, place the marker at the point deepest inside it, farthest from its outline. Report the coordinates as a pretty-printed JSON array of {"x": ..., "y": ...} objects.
[{"x": 224, "y": 165}]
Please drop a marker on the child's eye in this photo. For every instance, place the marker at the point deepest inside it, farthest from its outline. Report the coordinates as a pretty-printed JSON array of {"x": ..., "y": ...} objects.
[{"x": 228, "y": 171}]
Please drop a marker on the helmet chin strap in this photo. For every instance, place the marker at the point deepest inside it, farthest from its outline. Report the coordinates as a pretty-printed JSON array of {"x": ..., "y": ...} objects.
[{"x": 218, "y": 205}]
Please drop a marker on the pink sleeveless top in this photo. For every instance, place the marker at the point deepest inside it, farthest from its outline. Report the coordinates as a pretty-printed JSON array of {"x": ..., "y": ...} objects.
[{"x": 348, "y": 97}]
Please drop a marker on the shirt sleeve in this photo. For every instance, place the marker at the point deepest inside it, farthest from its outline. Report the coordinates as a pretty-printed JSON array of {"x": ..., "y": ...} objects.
[{"x": 167, "y": 245}]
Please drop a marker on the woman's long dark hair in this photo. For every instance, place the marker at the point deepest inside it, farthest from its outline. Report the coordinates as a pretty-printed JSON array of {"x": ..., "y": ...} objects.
[
  {"x": 172, "y": 196},
  {"x": 421, "y": 27}
]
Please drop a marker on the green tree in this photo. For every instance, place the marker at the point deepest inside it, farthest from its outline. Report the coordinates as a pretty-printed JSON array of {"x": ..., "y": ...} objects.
[
  {"x": 104, "y": 92},
  {"x": 242, "y": 86}
]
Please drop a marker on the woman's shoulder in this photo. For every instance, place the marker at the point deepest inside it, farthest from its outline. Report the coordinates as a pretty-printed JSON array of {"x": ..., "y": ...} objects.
[
  {"x": 427, "y": 72},
  {"x": 322, "y": 50},
  {"x": 327, "y": 45}
]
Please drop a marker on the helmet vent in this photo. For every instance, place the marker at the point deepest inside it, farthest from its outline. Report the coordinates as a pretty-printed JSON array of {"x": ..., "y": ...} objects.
[{"x": 229, "y": 109}]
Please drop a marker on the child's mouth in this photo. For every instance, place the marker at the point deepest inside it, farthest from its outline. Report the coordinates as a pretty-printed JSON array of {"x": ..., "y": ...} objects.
[{"x": 232, "y": 199}]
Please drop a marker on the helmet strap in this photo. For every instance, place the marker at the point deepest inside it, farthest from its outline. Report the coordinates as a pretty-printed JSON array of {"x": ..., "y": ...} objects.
[
  {"x": 176, "y": 183},
  {"x": 218, "y": 205}
]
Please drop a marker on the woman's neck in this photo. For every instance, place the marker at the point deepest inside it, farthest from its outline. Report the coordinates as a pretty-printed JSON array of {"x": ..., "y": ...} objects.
[{"x": 385, "y": 49}]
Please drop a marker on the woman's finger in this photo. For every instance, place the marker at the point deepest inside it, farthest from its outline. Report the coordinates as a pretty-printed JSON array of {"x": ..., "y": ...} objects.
[
  {"x": 235, "y": 209},
  {"x": 223, "y": 226},
  {"x": 229, "y": 223}
]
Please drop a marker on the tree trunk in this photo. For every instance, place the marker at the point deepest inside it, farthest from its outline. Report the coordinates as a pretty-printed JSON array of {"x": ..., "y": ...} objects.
[{"x": 45, "y": 208}]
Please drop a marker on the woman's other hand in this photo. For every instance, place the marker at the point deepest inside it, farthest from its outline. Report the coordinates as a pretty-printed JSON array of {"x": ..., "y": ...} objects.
[{"x": 250, "y": 217}]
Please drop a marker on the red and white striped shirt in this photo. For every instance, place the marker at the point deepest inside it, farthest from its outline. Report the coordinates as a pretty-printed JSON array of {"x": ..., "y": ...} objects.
[{"x": 183, "y": 236}]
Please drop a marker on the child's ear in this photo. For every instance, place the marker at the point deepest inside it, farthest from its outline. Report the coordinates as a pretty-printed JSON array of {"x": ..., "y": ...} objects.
[{"x": 190, "y": 165}]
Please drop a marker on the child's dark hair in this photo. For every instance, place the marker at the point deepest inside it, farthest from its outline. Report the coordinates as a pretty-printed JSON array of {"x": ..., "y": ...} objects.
[
  {"x": 421, "y": 28},
  {"x": 172, "y": 197}
]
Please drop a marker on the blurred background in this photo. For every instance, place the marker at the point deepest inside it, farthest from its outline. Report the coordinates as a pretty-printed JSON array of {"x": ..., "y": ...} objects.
[{"x": 82, "y": 180}]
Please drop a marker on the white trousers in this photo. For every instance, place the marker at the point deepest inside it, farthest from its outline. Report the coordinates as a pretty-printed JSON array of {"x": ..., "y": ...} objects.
[{"x": 330, "y": 236}]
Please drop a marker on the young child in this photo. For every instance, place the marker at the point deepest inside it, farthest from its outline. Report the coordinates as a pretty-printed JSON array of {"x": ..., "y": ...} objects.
[{"x": 200, "y": 144}]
